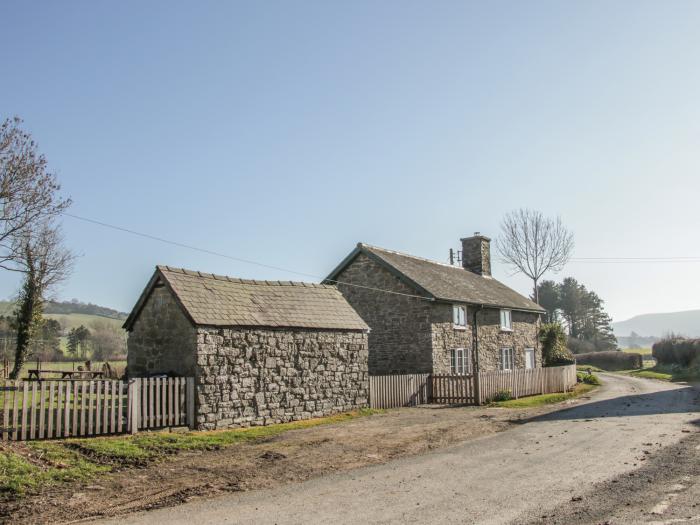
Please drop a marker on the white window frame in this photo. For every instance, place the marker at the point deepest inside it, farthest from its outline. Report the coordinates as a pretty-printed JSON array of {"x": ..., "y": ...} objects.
[
  {"x": 506, "y": 320},
  {"x": 530, "y": 351},
  {"x": 459, "y": 316},
  {"x": 505, "y": 361},
  {"x": 460, "y": 362}
]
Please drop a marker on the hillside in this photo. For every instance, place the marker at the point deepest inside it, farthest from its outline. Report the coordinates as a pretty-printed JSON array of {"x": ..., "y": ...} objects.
[
  {"x": 70, "y": 308},
  {"x": 685, "y": 323}
]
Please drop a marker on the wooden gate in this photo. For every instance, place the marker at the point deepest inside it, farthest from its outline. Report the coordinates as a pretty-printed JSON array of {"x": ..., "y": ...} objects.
[{"x": 453, "y": 389}]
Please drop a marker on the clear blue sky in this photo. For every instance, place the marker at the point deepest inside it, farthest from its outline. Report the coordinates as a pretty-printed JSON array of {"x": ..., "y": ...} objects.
[{"x": 285, "y": 132}]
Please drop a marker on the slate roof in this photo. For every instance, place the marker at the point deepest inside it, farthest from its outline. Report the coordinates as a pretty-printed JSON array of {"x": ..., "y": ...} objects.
[
  {"x": 442, "y": 281},
  {"x": 218, "y": 300}
]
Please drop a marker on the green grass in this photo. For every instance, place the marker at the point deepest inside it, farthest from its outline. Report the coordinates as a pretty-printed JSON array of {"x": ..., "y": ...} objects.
[
  {"x": 82, "y": 459},
  {"x": 586, "y": 368},
  {"x": 52, "y": 464},
  {"x": 545, "y": 399},
  {"x": 666, "y": 373}
]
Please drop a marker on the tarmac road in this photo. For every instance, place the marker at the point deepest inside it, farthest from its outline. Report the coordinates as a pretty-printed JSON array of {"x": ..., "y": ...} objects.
[{"x": 514, "y": 476}]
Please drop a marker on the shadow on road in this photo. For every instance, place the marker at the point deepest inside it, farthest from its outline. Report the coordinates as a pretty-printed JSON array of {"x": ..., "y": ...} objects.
[{"x": 677, "y": 401}]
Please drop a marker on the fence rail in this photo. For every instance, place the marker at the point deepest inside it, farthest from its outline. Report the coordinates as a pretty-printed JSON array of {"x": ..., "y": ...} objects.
[
  {"x": 45, "y": 409},
  {"x": 414, "y": 389}
]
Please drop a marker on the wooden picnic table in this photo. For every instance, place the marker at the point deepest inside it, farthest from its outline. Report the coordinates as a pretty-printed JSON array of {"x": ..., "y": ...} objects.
[{"x": 36, "y": 373}]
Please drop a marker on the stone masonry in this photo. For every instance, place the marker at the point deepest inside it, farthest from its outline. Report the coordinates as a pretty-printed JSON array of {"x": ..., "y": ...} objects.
[
  {"x": 258, "y": 377},
  {"x": 162, "y": 341},
  {"x": 400, "y": 336}
]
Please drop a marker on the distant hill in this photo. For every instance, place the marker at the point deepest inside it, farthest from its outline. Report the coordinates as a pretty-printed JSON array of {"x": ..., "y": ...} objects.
[
  {"x": 70, "y": 307},
  {"x": 681, "y": 323}
]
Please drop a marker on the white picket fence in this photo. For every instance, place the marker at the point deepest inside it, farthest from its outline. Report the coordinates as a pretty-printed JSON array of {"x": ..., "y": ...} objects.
[
  {"x": 391, "y": 391},
  {"x": 46, "y": 409}
]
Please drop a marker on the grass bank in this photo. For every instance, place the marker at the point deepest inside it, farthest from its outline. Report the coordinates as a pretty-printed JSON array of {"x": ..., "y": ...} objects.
[
  {"x": 545, "y": 399},
  {"x": 29, "y": 467},
  {"x": 666, "y": 373}
]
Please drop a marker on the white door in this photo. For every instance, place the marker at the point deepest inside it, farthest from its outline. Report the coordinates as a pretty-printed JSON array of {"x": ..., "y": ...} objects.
[{"x": 529, "y": 358}]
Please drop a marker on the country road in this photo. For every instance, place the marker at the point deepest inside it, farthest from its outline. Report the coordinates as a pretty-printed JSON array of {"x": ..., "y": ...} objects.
[{"x": 513, "y": 476}]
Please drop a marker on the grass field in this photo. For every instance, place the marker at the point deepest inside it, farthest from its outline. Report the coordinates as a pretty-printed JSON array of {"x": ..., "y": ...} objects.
[
  {"x": 75, "y": 320},
  {"x": 644, "y": 351}
]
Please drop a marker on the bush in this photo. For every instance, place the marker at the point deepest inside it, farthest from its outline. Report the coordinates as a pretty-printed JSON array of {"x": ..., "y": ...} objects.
[
  {"x": 554, "y": 350},
  {"x": 503, "y": 395},
  {"x": 589, "y": 379},
  {"x": 612, "y": 360},
  {"x": 578, "y": 346},
  {"x": 677, "y": 351}
]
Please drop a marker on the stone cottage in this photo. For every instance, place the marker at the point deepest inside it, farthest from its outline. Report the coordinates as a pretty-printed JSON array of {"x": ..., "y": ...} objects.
[
  {"x": 260, "y": 352},
  {"x": 439, "y": 318}
]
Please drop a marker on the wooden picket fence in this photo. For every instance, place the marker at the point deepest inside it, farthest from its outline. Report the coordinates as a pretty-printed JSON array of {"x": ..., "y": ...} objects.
[
  {"x": 393, "y": 391},
  {"x": 526, "y": 382},
  {"x": 399, "y": 390},
  {"x": 46, "y": 409}
]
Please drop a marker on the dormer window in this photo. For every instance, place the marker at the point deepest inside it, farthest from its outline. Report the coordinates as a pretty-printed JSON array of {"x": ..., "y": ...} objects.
[
  {"x": 506, "y": 321},
  {"x": 459, "y": 316}
]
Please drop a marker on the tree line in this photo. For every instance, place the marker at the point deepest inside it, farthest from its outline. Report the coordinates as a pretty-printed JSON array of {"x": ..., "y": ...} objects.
[{"x": 581, "y": 312}]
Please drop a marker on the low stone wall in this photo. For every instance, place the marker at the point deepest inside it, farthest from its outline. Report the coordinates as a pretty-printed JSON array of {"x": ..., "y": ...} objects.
[{"x": 262, "y": 376}]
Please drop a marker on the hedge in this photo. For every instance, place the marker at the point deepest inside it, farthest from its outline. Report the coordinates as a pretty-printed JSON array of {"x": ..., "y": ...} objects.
[
  {"x": 612, "y": 360},
  {"x": 677, "y": 351}
]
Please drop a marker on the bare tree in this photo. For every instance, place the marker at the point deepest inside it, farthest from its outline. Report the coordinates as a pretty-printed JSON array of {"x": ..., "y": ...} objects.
[
  {"x": 534, "y": 244},
  {"x": 28, "y": 192},
  {"x": 45, "y": 262}
]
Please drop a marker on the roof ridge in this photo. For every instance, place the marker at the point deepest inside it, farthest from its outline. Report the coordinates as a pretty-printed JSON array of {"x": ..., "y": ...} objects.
[
  {"x": 404, "y": 254},
  {"x": 239, "y": 280}
]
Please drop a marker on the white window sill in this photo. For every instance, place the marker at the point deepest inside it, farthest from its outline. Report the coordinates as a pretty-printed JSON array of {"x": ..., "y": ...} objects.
[
  {"x": 509, "y": 330},
  {"x": 459, "y": 327}
]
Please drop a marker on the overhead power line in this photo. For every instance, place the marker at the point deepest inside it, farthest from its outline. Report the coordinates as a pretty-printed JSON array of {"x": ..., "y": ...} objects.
[
  {"x": 230, "y": 257},
  {"x": 600, "y": 260}
]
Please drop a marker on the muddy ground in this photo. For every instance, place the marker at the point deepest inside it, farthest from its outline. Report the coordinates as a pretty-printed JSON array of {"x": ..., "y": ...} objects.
[{"x": 294, "y": 456}]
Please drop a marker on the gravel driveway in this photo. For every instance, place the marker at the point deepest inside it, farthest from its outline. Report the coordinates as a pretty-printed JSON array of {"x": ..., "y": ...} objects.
[{"x": 518, "y": 475}]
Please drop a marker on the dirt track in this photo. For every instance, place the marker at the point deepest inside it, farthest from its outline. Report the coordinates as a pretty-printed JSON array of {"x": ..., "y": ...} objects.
[{"x": 531, "y": 472}]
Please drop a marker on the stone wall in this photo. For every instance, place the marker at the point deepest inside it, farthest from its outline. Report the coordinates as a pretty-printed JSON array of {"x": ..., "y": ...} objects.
[
  {"x": 162, "y": 339},
  {"x": 262, "y": 376},
  {"x": 491, "y": 338},
  {"x": 400, "y": 338}
]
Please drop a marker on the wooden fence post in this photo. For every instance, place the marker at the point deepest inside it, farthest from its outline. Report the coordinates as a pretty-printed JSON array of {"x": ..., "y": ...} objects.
[
  {"x": 133, "y": 396},
  {"x": 190, "y": 403}
]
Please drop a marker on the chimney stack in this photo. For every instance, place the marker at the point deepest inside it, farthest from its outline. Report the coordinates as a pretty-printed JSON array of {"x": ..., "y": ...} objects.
[{"x": 476, "y": 254}]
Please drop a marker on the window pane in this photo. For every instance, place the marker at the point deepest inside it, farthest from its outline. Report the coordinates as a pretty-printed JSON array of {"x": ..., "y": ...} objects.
[{"x": 452, "y": 362}]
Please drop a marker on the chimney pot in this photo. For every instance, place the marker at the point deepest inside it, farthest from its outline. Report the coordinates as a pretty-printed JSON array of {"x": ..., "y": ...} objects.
[{"x": 476, "y": 254}]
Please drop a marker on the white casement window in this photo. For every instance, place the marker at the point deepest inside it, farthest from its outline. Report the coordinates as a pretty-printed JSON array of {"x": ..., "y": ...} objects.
[
  {"x": 506, "y": 359},
  {"x": 529, "y": 358},
  {"x": 506, "y": 320},
  {"x": 459, "y": 316},
  {"x": 460, "y": 361}
]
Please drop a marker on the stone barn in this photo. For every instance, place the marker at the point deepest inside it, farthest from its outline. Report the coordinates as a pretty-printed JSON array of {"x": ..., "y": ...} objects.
[{"x": 261, "y": 352}]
